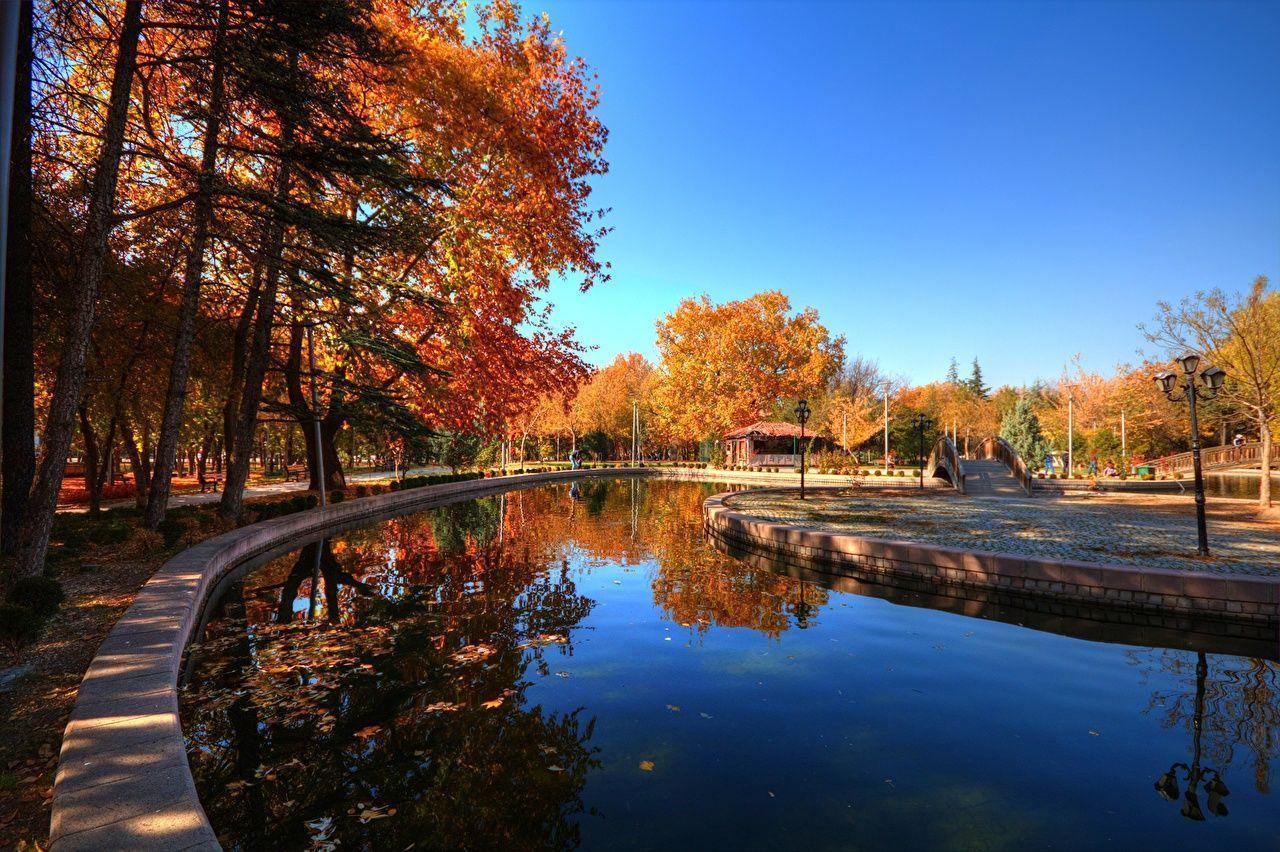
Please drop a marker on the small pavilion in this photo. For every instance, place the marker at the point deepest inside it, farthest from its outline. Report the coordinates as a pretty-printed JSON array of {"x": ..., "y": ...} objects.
[{"x": 764, "y": 443}]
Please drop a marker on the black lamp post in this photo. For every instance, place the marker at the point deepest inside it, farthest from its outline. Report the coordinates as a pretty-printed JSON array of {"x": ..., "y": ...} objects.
[
  {"x": 802, "y": 417},
  {"x": 922, "y": 423},
  {"x": 1212, "y": 378}
]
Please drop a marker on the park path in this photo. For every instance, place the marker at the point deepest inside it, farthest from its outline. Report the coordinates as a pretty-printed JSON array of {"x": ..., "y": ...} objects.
[
  {"x": 990, "y": 478},
  {"x": 197, "y": 498}
]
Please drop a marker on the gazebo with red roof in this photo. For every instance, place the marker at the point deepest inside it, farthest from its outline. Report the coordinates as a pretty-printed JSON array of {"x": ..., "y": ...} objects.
[{"x": 764, "y": 443}]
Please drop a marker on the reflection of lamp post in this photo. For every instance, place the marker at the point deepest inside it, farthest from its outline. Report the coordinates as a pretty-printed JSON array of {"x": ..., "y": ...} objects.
[
  {"x": 802, "y": 417},
  {"x": 1167, "y": 784},
  {"x": 922, "y": 422},
  {"x": 1212, "y": 377}
]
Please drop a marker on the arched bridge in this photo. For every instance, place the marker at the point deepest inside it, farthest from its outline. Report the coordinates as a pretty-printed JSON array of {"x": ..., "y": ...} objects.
[
  {"x": 1212, "y": 458},
  {"x": 993, "y": 469}
]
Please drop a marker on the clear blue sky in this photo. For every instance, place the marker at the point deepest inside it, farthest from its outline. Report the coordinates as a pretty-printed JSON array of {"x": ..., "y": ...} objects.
[{"x": 1015, "y": 181}]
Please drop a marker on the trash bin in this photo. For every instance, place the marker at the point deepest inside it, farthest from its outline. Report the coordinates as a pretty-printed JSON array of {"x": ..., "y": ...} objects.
[{"x": 1145, "y": 469}]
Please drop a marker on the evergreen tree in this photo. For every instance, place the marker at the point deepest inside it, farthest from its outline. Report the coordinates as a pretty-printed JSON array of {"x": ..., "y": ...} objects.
[
  {"x": 953, "y": 372},
  {"x": 975, "y": 382},
  {"x": 1021, "y": 428}
]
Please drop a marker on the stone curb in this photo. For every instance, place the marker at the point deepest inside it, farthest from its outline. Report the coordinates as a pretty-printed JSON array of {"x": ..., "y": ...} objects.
[
  {"x": 123, "y": 781},
  {"x": 1241, "y": 599}
]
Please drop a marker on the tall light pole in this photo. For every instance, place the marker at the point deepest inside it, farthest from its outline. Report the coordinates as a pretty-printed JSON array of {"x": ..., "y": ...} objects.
[
  {"x": 886, "y": 424},
  {"x": 802, "y": 417},
  {"x": 922, "y": 422},
  {"x": 1124, "y": 444},
  {"x": 315, "y": 418},
  {"x": 1212, "y": 378},
  {"x": 1071, "y": 431}
]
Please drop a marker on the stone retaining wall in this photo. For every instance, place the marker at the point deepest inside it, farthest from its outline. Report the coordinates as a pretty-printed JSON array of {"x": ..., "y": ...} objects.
[
  {"x": 123, "y": 781},
  {"x": 1252, "y": 601}
]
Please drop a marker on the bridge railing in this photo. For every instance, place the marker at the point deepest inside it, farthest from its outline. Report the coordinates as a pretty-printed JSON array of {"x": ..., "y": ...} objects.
[
  {"x": 1225, "y": 456},
  {"x": 1001, "y": 450},
  {"x": 944, "y": 455}
]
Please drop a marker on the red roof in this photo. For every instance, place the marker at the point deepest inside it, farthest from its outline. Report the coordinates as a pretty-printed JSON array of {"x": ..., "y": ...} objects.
[{"x": 766, "y": 429}]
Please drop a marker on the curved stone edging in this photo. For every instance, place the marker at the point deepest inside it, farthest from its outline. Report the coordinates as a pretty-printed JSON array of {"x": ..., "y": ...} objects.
[
  {"x": 1255, "y": 600},
  {"x": 123, "y": 781}
]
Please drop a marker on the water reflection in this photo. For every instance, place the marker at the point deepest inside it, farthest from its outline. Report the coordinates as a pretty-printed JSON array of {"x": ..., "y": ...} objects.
[{"x": 498, "y": 674}]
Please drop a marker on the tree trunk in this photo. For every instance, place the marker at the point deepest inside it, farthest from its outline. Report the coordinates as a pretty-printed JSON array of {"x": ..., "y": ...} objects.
[
  {"x": 239, "y": 354},
  {"x": 1264, "y": 485},
  {"x": 193, "y": 275},
  {"x": 17, "y": 447},
  {"x": 37, "y": 520},
  {"x": 140, "y": 478},
  {"x": 256, "y": 367},
  {"x": 90, "y": 462}
]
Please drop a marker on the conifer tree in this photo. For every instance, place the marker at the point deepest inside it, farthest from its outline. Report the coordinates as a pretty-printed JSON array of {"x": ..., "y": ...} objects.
[{"x": 1021, "y": 428}]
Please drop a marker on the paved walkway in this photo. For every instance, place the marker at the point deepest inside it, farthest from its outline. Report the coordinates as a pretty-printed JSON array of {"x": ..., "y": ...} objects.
[
  {"x": 1152, "y": 531},
  {"x": 196, "y": 498},
  {"x": 990, "y": 478}
]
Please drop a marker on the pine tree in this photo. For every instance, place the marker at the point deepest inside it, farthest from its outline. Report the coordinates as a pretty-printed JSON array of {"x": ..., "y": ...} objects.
[
  {"x": 1021, "y": 428},
  {"x": 975, "y": 382},
  {"x": 953, "y": 372}
]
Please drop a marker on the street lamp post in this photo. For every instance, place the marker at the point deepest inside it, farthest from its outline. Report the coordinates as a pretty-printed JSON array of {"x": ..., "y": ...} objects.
[
  {"x": 802, "y": 417},
  {"x": 315, "y": 418},
  {"x": 886, "y": 424},
  {"x": 922, "y": 422},
  {"x": 1212, "y": 379}
]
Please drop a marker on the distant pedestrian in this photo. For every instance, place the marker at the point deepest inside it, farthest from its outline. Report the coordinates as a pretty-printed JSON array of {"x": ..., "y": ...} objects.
[
  {"x": 1093, "y": 463},
  {"x": 1048, "y": 464},
  {"x": 1066, "y": 464},
  {"x": 1238, "y": 440}
]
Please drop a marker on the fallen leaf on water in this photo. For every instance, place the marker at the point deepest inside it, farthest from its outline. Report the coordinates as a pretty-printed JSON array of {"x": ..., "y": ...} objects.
[
  {"x": 674, "y": 708},
  {"x": 562, "y": 674},
  {"x": 1094, "y": 734},
  {"x": 365, "y": 733},
  {"x": 705, "y": 715},
  {"x": 646, "y": 765},
  {"x": 554, "y": 768}
]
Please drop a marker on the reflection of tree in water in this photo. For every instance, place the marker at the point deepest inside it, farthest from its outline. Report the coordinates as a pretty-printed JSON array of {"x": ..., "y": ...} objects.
[
  {"x": 453, "y": 526},
  {"x": 1228, "y": 706},
  {"x": 398, "y": 679},
  {"x": 302, "y": 729}
]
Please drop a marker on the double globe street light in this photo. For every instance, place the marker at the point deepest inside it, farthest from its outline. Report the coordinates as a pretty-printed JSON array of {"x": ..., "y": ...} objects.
[
  {"x": 1211, "y": 379},
  {"x": 802, "y": 417}
]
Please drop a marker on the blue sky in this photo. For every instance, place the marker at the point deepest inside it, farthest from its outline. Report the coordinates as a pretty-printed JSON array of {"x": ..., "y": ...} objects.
[{"x": 1014, "y": 181}]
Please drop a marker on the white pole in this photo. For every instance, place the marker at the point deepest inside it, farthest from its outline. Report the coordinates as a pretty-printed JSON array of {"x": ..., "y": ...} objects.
[
  {"x": 1071, "y": 455},
  {"x": 844, "y": 431},
  {"x": 886, "y": 424},
  {"x": 1124, "y": 445}
]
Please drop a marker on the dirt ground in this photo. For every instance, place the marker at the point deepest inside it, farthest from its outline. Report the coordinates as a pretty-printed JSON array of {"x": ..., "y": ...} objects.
[{"x": 35, "y": 709}]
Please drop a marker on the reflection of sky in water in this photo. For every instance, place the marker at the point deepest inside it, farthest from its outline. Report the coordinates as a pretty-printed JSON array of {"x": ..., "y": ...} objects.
[{"x": 718, "y": 722}]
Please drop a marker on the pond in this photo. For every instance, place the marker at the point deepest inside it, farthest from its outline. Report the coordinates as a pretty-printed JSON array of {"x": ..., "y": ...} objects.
[
  {"x": 574, "y": 666},
  {"x": 1241, "y": 485}
]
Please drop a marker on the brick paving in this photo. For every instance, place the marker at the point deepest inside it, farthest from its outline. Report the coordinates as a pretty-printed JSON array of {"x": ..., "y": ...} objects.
[{"x": 1157, "y": 532}]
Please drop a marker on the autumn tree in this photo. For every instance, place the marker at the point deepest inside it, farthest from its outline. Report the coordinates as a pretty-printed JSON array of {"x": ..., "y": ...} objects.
[
  {"x": 1240, "y": 333},
  {"x": 724, "y": 365},
  {"x": 33, "y": 539}
]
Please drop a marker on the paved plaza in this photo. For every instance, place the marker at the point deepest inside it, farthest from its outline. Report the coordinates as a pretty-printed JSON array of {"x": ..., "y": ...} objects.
[{"x": 1153, "y": 531}]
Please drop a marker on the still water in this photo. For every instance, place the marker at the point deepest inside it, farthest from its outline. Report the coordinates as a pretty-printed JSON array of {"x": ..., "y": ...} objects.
[
  {"x": 575, "y": 667},
  {"x": 1236, "y": 485}
]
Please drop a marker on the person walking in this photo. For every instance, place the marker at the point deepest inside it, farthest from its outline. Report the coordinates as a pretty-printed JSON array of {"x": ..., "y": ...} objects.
[
  {"x": 1093, "y": 463},
  {"x": 1048, "y": 463}
]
